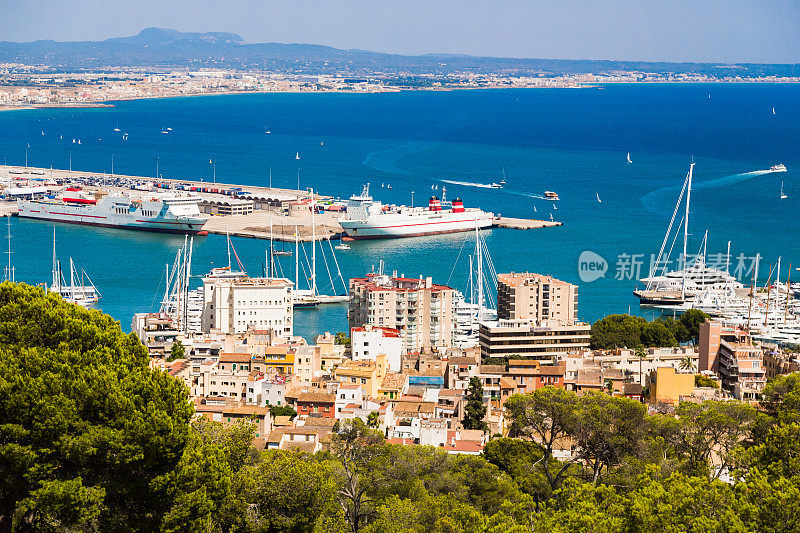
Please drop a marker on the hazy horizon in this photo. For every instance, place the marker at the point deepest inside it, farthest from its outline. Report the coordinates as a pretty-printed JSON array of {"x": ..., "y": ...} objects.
[{"x": 647, "y": 30}]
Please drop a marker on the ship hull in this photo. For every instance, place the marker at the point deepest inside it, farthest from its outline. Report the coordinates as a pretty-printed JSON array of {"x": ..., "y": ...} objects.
[
  {"x": 397, "y": 227},
  {"x": 90, "y": 216}
]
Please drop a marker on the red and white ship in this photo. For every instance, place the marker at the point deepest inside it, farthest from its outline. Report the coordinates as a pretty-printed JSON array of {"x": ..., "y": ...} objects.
[
  {"x": 370, "y": 219},
  {"x": 162, "y": 213}
]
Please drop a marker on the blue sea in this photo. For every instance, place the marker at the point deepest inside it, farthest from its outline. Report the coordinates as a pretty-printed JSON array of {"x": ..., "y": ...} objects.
[{"x": 572, "y": 141}]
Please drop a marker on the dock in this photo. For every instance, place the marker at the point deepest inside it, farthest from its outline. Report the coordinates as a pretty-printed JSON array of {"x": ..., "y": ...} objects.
[
  {"x": 264, "y": 222},
  {"x": 523, "y": 223}
]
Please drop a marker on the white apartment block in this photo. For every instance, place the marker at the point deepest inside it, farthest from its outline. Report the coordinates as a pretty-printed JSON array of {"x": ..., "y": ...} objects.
[
  {"x": 234, "y": 305},
  {"x": 368, "y": 342}
]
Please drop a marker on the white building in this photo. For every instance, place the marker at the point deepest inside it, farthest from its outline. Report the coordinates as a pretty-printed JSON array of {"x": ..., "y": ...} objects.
[
  {"x": 232, "y": 305},
  {"x": 369, "y": 342}
]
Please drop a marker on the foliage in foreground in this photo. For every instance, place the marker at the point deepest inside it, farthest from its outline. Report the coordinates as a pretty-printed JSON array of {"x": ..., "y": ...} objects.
[{"x": 92, "y": 439}]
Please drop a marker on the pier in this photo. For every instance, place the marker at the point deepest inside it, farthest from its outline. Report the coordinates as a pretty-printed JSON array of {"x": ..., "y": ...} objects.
[
  {"x": 277, "y": 213},
  {"x": 523, "y": 223}
]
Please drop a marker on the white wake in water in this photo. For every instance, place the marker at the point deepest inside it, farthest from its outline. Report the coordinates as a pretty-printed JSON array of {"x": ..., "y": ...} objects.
[
  {"x": 470, "y": 184},
  {"x": 652, "y": 201}
]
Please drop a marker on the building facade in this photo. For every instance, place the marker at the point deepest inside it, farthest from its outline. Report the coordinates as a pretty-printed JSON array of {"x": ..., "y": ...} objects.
[
  {"x": 422, "y": 311},
  {"x": 537, "y": 298},
  {"x": 520, "y": 338},
  {"x": 234, "y": 305}
]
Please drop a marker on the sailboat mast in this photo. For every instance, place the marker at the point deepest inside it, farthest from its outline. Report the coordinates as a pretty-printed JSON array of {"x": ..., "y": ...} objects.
[
  {"x": 296, "y": 260},
  {"x": 270, "y": 267},
  {"x": 788, "y": 292},
  {"x": 71, "y": 279},
  {"x": 686, "y": 229},
  {"x": 313, "y": 247},
  {"x": 479, "y": 259},
  {"x": 186, "y": 287},
  {"x": 55, "y": 273}
]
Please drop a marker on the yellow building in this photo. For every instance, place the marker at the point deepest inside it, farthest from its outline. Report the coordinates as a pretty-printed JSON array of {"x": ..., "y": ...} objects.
[
  {"x": 368, "y": 374},
  {"x": 666, "y": 385},
  {"x": 275, "y": 360}
]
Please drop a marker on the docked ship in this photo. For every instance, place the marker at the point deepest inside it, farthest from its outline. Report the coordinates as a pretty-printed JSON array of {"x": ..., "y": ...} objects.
[
  {"x": 370, "y": 219},
  {"x": 163, "y": 213}
]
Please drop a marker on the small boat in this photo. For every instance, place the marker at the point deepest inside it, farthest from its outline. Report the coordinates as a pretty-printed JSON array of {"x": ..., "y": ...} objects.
[
  {"x": 496, "y": 185},
  {"x": 778, "y": 168},
  {"x": 282, "y": 253},
  {"x": 42, "y": 132},
  {"x": 164, "y": 132},
  {"x": 342, "y": 246},
  {"x": 433, "y": 187},
  {"x": 79, "y": 141},
  {"x": 551, "y": 217},
  {"x": 117, "y": 129},
  {"x": 598, "y": 198},
  {"x": 783, "y": 196},
  {"x": 503, "y": 181},
  {"x": 534, "y": 209},
  {"x": 169, "y": 129},
  {"x": 125, "y": 137},
  {"x": 555, "y": 206},
  {"x": 629, "y": 158},
  {"x": 61, "y": 137},
  {"x": 297, "y": 155},
  {"x": 73, "y": 141},
  {"x": 382, "y": 185},
  {"x": 388, "y": 185},
  {"x": 773, "y": 110},
  {"x": 347, "y": 239},
  {"x": 550, "y": 195}
]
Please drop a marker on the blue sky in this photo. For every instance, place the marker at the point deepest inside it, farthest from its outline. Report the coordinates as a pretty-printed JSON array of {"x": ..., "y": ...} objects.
[{"x": 659, "y": 30}]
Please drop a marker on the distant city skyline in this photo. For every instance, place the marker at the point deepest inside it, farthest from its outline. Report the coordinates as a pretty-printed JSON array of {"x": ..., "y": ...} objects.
[{"x": 647, "y": 30}]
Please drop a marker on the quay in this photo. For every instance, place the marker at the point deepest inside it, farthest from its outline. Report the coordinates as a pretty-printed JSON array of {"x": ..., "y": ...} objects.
[
  {"x": 523, "y": 223},
  {"x": 254, "y": 211}
]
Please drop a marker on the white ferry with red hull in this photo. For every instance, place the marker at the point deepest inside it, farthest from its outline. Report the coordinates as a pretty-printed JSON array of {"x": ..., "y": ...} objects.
[
  {"x": 370, "y": 219},
  {"x": 161, "y": 213}
]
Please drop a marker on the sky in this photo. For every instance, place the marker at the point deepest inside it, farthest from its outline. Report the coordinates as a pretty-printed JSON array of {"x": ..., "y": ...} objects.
[{"x": 763, "y": 31}]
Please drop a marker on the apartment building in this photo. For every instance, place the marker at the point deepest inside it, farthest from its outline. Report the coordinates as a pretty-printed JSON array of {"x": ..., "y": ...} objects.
[
  {"x": 741, "y": 367},
  {"x": 422, "y": 311},
  {"x": 522, "y": 338},
  {"x": 537, "y": 298},
  {"x": 236, "y": 304},
  {"x": 367, "y": 374},
  {"x": 369, "y": 341}
]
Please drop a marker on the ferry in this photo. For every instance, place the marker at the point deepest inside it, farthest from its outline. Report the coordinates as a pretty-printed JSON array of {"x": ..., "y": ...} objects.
[
  {"x": 778, "y": 168},
  {"x": 369, "y": 219},
  {"x": 162, "y": 213}
]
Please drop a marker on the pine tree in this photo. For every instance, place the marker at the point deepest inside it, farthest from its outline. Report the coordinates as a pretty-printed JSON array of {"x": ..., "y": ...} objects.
[{"x": 474, "y": 410}]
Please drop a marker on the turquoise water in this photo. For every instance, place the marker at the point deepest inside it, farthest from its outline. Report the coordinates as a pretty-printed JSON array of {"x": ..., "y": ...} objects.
[{"x": 570, "y": 141}]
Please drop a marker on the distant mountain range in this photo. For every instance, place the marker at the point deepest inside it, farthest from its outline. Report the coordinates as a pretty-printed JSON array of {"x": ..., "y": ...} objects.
[{"x": 159, "y": 47}]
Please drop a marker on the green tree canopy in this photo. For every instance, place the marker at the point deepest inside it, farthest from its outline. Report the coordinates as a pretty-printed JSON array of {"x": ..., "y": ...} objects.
[
  {"x": 83, "y": 419},
  {"x": 475, "y": 410}
]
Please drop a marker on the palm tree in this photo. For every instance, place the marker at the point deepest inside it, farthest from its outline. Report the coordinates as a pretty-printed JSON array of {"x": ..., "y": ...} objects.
[
  {"x": 687, "y": 363},
  {"x": 641, "y": 354}
]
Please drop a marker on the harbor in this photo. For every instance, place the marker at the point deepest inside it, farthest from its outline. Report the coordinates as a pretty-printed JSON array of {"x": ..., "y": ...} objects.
[{"x": 239, "y": 210}]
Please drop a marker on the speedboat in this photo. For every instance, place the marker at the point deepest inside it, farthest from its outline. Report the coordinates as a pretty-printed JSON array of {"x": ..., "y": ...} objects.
[
  {"x": 550, "y": 195},
  {"x": 778, "y": 168},
  {"x": 342, "y": 246}
]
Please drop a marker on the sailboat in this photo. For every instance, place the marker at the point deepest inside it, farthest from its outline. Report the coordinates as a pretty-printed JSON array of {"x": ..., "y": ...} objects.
[
  {"x": 311, "y": 297},
  {"x": 297, "y": 155},
  {"x": 117, "y": 128},
  {"x": 478, "y": 303},
  {"x": 783, "y": 196},
  {"x": 773, "y": 110},
  {"x": 629, "y": 158},
  {"x": 267, "y": 130},
  {"x": 599, "y": 201},
  {"x": 81, "y": 293}
]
